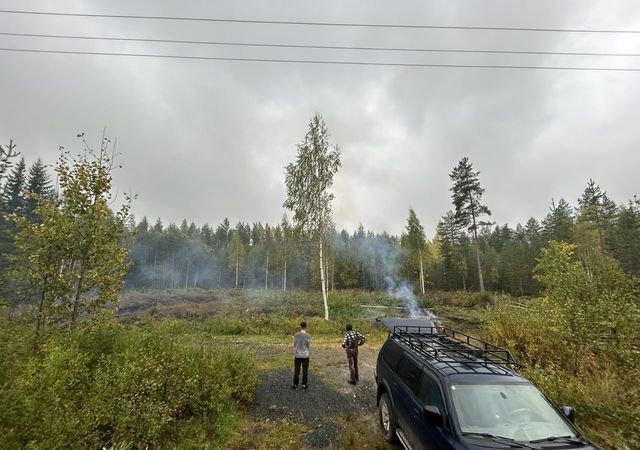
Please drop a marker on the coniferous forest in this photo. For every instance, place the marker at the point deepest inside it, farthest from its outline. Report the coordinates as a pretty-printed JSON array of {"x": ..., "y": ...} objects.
[
  {"x": 282, "y": 256},
  {"x": 257, "y": 255}
]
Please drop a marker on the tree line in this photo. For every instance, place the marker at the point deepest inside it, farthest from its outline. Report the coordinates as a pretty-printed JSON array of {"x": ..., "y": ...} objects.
[
  {"x": 468, "y": 252},
  {"x": 281, "y": 256}
]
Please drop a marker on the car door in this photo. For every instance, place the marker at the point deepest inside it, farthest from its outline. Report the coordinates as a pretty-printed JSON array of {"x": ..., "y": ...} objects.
[
  {"x": 423, "y": 434},
  {"x": 409, "y": 372},
  {"x": 409, "y": 407}
]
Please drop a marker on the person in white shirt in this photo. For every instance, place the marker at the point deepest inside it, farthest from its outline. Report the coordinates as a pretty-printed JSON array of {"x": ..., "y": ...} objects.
[{"x": 301, "y": 346}]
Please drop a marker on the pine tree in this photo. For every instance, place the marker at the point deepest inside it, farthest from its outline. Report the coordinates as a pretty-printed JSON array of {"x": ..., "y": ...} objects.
[{"x": 466, "y": 194}]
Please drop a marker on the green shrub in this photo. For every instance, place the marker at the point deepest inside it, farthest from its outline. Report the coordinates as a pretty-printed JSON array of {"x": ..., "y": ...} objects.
[
  {"x": 580, "y": 342},
  {"x": 110, "y": 385}
]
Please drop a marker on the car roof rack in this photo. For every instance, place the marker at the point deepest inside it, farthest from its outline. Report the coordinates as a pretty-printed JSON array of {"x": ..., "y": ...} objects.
[{"x": 457, "y": 351}]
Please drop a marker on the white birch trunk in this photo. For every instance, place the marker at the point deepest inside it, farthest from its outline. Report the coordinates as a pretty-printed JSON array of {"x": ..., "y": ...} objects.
[
  {"x": 323, "y": 283},
  {"x": 284, "y": 276},
  {"x": 421, "y": 275},
  {"x": 237, "y": 264}
]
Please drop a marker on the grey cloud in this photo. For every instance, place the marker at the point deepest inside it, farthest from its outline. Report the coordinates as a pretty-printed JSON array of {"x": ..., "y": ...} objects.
[{"x": 208, "y": 140}]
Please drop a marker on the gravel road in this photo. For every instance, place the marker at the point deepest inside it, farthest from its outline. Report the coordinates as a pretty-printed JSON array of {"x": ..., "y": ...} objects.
[{"x": 328, "y": 400}]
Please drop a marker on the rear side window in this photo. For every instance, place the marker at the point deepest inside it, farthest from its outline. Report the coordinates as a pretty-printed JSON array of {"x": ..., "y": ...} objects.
[
  {"x": 409, "y": 373},
  {"x": 392, "y": 354}
]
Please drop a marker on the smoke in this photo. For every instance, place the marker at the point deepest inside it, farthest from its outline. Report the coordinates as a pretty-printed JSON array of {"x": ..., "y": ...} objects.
[
  {"x": 402, "y": 290},
  {"x": 384, "y": 256}
]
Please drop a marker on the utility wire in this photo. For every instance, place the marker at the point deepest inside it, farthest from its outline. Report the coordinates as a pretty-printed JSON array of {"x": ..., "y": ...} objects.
[
  {"x": 303, "y": 61},
  {"x": 329, "y": 24},
  {"x": 323, "y": 47}
]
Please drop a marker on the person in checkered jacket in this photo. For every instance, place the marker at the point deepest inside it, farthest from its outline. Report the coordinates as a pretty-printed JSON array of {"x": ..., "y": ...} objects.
[{"x": 351, "y": 341}]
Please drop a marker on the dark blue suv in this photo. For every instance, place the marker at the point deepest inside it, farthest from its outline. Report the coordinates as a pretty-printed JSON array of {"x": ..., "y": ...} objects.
[{"x": 439, "y": 389}]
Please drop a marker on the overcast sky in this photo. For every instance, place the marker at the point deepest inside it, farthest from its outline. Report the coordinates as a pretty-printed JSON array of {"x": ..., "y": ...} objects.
[{"x": 205, "y": 140}]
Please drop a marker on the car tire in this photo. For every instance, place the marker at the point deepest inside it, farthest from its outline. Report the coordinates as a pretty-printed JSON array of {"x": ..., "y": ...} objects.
[{"x": 387, "y": 419}]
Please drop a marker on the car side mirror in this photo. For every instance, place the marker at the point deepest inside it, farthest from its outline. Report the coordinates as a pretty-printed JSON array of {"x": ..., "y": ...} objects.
[
  {"x": 433, "y": 415},
  {"x": 570, "y": 413}
]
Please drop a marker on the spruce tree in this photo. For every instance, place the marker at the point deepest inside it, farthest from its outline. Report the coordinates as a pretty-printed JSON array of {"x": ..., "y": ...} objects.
[
  {"x": 39, "y": 186},
  {"x": 7, "y": 153},
  {"x": 559, "y": 224},
  {"x": 13, "y": 199}
]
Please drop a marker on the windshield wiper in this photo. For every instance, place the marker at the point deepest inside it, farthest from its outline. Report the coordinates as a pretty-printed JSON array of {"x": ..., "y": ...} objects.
[
  {"x": 567, "y": 439},
  {"x": 502, "y": 440}
]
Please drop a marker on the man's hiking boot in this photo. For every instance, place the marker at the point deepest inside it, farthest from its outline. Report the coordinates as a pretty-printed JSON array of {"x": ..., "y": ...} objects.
[
  {"x": 352, "y": 382},
  {"x": 304, "y": 387},
  {"x": 294, "y": 387}
]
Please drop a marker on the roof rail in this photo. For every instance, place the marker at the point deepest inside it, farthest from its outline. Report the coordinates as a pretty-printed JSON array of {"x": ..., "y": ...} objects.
[{"x": 459, "y": 351}]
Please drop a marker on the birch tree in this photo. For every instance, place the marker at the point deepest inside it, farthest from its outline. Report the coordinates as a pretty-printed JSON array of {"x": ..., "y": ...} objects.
[
  {"x": 414, "y": 241},
  {"x": 74, "y": 257},
  {"x": 466, "y": 194},
  {"x": 308, "y": 184}
]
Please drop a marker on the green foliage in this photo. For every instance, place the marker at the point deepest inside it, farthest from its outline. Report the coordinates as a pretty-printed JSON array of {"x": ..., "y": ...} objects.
[
  {"x": 73, "y": 258},
  {"x": 558, "y": 224},
  {"x": 13, "y": 200},
  {"x": 580, "y": 341},
  {"x": 625, "y": 237},
  {"x": 596, "y": 213},
  {"x": 451, "y": 243},
  {"x": 598, "y": 301},
  {"x": 308, "y": 184},
  {"x": 416, "y": 255},
  {"x": 109, "y": 385},
  {"x": 308, "y": 180}
]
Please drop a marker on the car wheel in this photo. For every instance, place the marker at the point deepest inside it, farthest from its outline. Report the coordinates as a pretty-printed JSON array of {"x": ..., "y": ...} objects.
[{"x": 387, "y": 419}]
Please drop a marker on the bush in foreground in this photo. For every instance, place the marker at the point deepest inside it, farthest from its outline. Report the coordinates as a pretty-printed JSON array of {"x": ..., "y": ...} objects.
[{"x": 109, "y": 385}]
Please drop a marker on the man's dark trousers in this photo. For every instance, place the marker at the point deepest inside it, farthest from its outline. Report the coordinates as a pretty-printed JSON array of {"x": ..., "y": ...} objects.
[
  {"x": 352, "y": 358},
  {"x": 304, "y": 362}
]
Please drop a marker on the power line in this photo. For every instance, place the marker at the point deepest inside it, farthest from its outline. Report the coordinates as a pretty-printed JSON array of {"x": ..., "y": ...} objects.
[
  {"x": 329, "y": 24},
  {"x": 323, "y": 47},
  {"x": 302, "y": 61}
]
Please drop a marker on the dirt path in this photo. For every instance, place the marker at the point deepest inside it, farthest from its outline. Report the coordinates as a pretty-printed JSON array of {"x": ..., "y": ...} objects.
[{"x": 330, "y": 414}]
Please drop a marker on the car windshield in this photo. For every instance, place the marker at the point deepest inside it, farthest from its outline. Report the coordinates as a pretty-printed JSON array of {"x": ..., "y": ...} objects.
[{"x": 516, "y": 411}]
